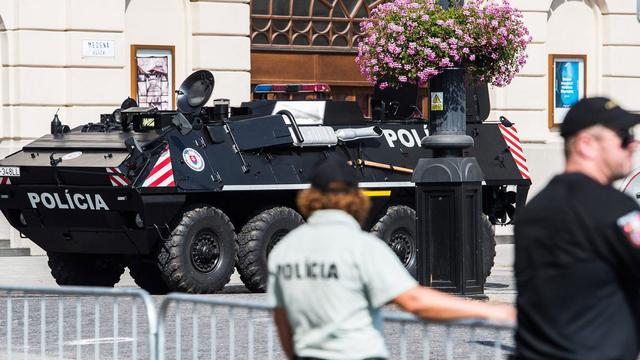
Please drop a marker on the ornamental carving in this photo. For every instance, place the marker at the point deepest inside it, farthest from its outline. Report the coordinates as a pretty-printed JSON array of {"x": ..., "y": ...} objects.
[{"x": 313, "y": 25}]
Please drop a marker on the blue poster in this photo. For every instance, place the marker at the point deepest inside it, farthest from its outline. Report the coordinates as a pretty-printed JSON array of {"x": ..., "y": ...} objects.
[{"x": 567, "y": 83}]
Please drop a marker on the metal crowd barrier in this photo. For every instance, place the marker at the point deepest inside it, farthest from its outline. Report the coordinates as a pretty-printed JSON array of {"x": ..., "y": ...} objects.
[
  {"x": 408, "y": 337},
  {"x": 101, "y": 323},
  {"x": 215, "y": 329},
  {"x": 67, "y": 322},
  {"x": 197, "y": 327}
]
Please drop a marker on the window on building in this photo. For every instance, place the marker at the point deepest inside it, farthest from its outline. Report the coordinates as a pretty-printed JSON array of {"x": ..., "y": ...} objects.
[
  {"x": 311, "y": 41},
  {"x": 312, "y": 25}
]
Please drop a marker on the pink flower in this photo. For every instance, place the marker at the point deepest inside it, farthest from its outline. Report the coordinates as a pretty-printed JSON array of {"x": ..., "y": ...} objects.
[
  {"x": 445, "y": 62},
  {"x": 399, "y": 41}
]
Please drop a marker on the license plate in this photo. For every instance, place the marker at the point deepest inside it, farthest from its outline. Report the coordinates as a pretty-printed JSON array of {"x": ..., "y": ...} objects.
[{"x": 12, "y": 171}]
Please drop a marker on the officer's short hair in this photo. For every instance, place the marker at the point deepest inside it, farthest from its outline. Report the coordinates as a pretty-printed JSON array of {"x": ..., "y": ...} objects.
[{"x": 569, "y": 143}]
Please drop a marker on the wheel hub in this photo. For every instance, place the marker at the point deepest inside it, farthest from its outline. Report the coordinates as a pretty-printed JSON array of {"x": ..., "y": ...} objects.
[
  {"x": 401, "y": 244},
  {"x": 205, "y": 251}
]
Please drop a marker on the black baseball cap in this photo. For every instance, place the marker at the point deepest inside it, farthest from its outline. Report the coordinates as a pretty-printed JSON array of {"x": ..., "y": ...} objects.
[
  {"x": 329, "y": 170},
  {"x": 597, "y": 111}
]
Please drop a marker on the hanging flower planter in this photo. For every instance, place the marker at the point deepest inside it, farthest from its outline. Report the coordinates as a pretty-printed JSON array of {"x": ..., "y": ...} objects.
[{"x": 408, "y": 41}]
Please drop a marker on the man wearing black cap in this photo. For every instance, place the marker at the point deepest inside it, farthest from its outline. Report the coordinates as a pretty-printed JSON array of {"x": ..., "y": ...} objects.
[
  {"x": 577, "y": 246},
  {"x": 328, "y": 279}
]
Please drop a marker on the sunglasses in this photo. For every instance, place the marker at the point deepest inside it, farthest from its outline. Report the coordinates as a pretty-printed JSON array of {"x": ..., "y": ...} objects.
[{"x": 627, "y": 137}]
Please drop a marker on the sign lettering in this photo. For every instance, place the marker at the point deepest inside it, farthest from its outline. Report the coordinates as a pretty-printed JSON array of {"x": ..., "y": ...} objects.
[
  {"x": 406, "y": 137},
  {"x": 75, "y": 201},
  {"x": 98, "y": 48}
]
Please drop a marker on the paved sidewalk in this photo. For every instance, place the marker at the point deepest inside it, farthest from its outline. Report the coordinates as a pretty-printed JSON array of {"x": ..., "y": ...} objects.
[
  {"x": 33, "y": 271},
  {"x": 500, "y": 286}
]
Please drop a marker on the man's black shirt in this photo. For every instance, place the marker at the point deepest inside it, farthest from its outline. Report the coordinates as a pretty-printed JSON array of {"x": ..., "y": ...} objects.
[{"x": 577, "y": 271}]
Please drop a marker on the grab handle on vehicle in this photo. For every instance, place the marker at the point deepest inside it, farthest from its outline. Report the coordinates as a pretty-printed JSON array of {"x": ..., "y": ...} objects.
[{"x": 294, "y": 124}]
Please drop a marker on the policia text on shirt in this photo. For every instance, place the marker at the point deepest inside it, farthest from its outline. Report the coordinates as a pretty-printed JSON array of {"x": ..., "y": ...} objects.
[{"x": 308, "y": 270}]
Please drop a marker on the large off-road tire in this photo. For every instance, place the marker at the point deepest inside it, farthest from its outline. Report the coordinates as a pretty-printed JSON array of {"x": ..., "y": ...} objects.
[
  {"x": 257, "y": 238},
  {"x": 146, "y": 274},
  {"x": 397, "y": 228},
  {"x": 199, "y": 254},
  {"x": 85, "y": 269},
  {"x": 488, "y": 241}
]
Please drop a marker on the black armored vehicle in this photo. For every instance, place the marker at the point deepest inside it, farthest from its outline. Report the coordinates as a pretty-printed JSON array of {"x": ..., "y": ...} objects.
[{"x": 182, "y": 197}]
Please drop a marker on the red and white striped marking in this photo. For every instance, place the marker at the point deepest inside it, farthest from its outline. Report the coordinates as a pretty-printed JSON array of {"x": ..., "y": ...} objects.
[
  {"x": 510, "y": 135},
  {"x": 5, "y": 180},
  {"x": 118, "y": 178},
  {"x": 162, "y": 173}
]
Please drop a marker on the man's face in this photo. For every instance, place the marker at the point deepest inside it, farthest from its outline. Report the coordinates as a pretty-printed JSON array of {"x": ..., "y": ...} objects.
[{"x": 614, "y": 151}]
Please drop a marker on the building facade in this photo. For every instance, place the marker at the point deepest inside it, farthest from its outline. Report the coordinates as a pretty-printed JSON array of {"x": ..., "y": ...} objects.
[{"x": 81, "y": 58}]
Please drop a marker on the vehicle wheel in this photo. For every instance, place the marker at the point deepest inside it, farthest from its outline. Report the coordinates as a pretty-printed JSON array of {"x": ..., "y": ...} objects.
[
  {"x": 85, "y": 269},
  {"x": 146, "y": 274},
  {"x": 397, "y": 228},
  {"x": 257, "y": 238},
  {"x": 199, "y": 254},
  {"x": 488, "y": 241}
]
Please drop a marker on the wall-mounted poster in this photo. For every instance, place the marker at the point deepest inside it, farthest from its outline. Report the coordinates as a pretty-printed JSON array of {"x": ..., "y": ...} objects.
[
  {"x": 152, "y": 76},
  {"x": 567, "y": 84}
]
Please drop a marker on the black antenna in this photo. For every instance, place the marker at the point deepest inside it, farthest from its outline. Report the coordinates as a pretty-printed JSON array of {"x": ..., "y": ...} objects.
[{"x": 56, "y": 125}]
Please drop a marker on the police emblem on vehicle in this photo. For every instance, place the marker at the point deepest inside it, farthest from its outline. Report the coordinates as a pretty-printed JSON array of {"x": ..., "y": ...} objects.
[
  {"x": 67, "y": 201},
  {"x": 193, "y": 159}
]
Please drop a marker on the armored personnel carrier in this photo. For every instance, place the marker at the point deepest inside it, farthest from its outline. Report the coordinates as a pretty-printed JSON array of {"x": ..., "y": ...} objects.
[{"x": 182, "y": 197}]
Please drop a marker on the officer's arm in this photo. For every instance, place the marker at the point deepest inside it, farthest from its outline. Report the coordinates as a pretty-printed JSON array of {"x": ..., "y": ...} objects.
[
  {"x": 435, "y": 305},
  {"x": 284, "y": 331}
]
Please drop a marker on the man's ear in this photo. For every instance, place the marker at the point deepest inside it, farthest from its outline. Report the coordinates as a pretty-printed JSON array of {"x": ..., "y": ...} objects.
[{"x": 585, "y": 146}]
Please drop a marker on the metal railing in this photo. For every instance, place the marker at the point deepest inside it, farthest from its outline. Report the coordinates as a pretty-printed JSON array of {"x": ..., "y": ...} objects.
[
  {"x": 40, "y": 323},
  {"x": 408, "y": 337},
  {"x": 230, "y": 329},
  {"x": 197, "y": 327},
  {"x": 101, "y": 323}
]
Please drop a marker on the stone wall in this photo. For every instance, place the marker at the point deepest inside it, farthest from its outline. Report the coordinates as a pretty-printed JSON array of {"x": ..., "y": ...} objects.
[{"x": 608, "y": 32}]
